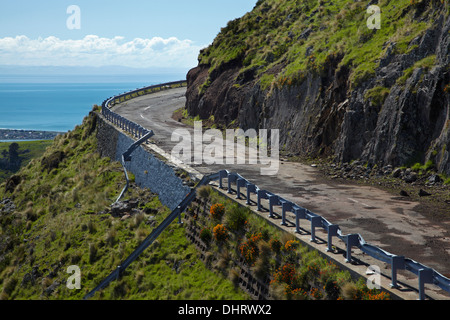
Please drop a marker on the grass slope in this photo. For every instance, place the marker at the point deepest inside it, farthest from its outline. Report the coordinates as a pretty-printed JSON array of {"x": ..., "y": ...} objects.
[
  {"x": 28, "y": 150},
  {"x": 60, "y": 221},
  {"x": 280, "y": 41}
]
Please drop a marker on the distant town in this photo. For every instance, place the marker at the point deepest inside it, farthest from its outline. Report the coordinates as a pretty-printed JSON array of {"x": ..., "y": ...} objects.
[{"x": 10, "y": 134}]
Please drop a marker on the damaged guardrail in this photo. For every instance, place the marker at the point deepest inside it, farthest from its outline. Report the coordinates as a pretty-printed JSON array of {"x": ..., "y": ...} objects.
[
  {"x": 153, "y": 235},
  {"x": 424, "y": 273}
]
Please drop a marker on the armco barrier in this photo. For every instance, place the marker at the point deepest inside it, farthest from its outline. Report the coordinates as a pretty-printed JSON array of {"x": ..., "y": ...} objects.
[
  {"x": 424, "y": 273},
  {"x": 131, "y": 127},
  {"x": 153, "y": 235}
]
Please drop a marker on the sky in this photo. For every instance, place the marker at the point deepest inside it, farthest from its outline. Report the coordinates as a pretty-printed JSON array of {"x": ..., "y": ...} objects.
[{"x": 137, "y": 34}]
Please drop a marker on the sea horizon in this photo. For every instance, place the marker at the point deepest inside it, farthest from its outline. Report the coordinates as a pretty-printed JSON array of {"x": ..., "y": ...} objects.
[{"x": 60, "y": 102}]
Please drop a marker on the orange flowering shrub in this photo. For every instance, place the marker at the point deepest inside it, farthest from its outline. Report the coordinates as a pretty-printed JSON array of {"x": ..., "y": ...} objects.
[
  {"x": 286, "y": 274},
  {"x": 220, "y": 233},
  {"x": 362, "y": 292},
  {"x": 316, "y": 293},
  {"x": 372, "y": 295},
  {"x": 314, "y": 268},
  {"x": 291, "y": 245},
  {"x": 249, "y": 249},
  {"x": 217, "y": 210},
  {"x": 297, "y": 294}
]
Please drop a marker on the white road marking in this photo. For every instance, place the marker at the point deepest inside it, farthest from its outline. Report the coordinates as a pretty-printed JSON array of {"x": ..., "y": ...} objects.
[{"x": 356, "y": 201}]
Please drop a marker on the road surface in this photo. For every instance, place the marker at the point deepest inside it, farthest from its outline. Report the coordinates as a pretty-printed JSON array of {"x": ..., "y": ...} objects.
[{"x": 383, "y": 219}]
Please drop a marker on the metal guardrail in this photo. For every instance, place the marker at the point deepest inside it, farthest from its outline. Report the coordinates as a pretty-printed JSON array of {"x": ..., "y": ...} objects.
[
  {"x": 153, "y": 235},
  {"x": 126, "y": 156},
  {"x": 131, "y": 127},
  {"x": 424, "y": 273}
]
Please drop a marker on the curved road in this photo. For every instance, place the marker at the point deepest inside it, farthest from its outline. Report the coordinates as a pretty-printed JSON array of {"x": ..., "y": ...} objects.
[{"x": 382, "y": 219}]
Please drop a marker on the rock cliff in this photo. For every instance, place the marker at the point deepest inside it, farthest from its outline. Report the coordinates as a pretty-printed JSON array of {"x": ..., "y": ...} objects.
[{"x": 331, "y": 85}]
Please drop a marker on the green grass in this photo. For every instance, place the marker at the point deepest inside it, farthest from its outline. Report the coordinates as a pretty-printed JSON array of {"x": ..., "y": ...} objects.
[
  {"x": 425, "y": 64},
  {"x": 377, "y": 95},
  {"x": 59, "y": 223},
  {"x": 271, "y": 35},
  {"x": 28, "y": 150}
]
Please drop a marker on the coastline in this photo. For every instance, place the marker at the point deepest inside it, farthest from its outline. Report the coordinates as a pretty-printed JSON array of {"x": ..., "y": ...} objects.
[{"x": 7, "y": 135}]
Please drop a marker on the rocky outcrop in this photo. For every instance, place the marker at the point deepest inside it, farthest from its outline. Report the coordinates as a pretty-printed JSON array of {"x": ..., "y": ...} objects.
[{"x": 406, "y": 121}]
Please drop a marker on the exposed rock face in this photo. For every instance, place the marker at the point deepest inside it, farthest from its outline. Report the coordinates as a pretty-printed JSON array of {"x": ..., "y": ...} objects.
[{"x": 324, "y": 116}]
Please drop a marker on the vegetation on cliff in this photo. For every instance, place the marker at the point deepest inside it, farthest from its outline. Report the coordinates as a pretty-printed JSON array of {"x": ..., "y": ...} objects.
[
  {"x": 56, "y": 213},
  {"x": 280, "y": 41},
  {"x": 237, "y": 239},
  {"x": 332, "y": 85}
]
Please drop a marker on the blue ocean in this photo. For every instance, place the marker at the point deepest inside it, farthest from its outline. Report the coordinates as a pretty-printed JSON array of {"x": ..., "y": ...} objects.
[{"x": 59, "y": 103}]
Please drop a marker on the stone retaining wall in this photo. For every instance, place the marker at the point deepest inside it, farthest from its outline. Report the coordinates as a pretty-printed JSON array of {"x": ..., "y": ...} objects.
[{"x": 150, "y": 171}]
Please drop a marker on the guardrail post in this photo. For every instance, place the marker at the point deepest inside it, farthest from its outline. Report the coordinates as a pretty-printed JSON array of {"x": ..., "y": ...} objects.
[
  {"x": 351, "y": 240},
  {"x": 118, "y": 272},
  {"x": 397, "y": 262},
  {"x": 332, "y": 232},
  {"x": 273, "y": 200},
  {"x": 250, "y": 188},
  {"x": 300, "y": 213},
  {"x": 425, "y": 276},
  {"x": 315, "y": 222},
  {"x": 231, "y": 178},
  {"x": 179, "y": 216},
  {"x": 285, "y": 206},
  {"x": 239, "y": 183},
  {"x": 260, "y": 193},
  {"x": 222, "y": 174}
]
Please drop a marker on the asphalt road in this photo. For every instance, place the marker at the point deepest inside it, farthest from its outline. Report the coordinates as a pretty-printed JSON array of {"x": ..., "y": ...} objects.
[{"x": 383, "y": 219}]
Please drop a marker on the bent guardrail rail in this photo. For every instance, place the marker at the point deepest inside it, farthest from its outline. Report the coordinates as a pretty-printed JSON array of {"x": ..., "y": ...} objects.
[
  {"x": 126, "y": 156},
  {"x": 424, "y": 273},
  {"x": 153, "y": 235}
]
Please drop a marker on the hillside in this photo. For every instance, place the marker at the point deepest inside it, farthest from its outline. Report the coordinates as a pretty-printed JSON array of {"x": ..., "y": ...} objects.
[
  {"x": 27, "y": 150},
  {"x": 56, "y": 212},
  {"x": 335, "y": 88}
]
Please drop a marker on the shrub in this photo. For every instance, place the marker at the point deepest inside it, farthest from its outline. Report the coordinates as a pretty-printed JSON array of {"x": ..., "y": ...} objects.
[
  {"x": 275, "y": 245},
  {"x": 313, "y": 270},
  {"x": 249, "y": 249},
  {"x": 92, "y": 253},
  {"x": 220, "y": 233},
  {"x": 360, "y": 291},
  {"x": 316, "y": 293},
  {"x": 237, "y": 218},
  {"x": 332, "y": 289},
  {"x": 204, "y": 192},
  {"x": 217, "y": 210},
  {"x": 205, "y": 235},
  {"x": 261, "y": 267},
  {"x": 296, "y": 294},
  {"x": 286, "y": 274},
  {"x": 291, "y": 245}
]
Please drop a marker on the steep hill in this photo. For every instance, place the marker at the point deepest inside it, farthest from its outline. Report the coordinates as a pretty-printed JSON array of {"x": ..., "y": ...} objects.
[
  {"x": 56, "y": 213},
  {"x": 333, "y": 86}
]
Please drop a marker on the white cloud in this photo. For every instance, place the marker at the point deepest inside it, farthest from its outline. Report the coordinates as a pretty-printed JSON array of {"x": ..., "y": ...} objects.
[{"x": 93, "y": 50}]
